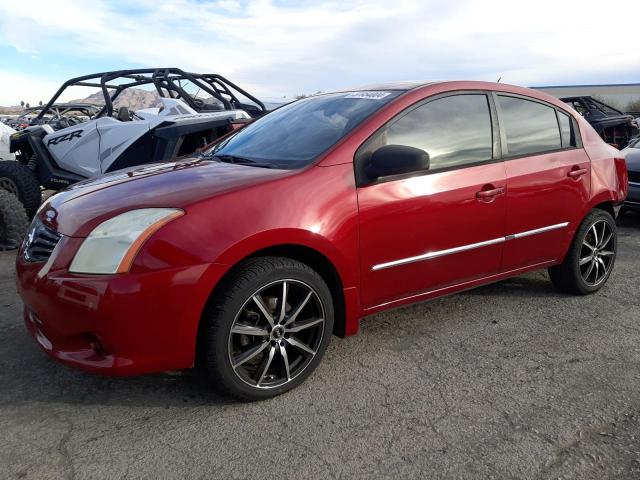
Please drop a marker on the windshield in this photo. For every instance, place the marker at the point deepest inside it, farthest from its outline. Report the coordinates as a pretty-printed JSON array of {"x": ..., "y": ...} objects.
[{"x": 296, "y": 134}]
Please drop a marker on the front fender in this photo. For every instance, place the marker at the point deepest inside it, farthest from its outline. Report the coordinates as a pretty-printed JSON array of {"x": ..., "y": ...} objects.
[{"x": 347, "y": 268}]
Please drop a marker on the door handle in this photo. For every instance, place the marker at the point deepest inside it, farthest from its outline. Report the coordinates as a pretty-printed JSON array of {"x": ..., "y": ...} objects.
[
  {"x": 490, "y": 193},
  {"x": 576, "y": 173}
]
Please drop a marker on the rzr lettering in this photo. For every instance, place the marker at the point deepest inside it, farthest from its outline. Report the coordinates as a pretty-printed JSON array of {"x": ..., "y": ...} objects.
[{"x": 64, "y": 138}]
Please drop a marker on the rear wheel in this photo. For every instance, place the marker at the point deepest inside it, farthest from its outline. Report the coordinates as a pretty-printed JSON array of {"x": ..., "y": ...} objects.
[
  {"x": 13, "y": 221},
  {"x": 268, "y": 328},
  {"x": 18, "y": 179},
  {"x": 591, "y": 257}
]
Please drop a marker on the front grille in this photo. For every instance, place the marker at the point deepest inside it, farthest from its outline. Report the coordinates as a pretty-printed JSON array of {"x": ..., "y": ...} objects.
[
  {"x": 634, "y": 176},
  {"x": 40, "y": 242}
]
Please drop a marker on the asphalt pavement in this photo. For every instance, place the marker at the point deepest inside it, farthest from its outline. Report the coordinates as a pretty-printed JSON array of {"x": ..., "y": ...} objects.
[{"x": 511, "y": 380}]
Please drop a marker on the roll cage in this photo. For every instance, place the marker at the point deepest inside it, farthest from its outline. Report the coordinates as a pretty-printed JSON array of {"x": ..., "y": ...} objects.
[
  {"x": 168, "y": 83},
  {"x": 590, "y": 106},
  {"x": 59, "y": 110}
]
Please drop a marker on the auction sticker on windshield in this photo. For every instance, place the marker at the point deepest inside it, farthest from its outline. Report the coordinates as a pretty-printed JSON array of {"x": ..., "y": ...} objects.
[{"x": 371, "y": 95}]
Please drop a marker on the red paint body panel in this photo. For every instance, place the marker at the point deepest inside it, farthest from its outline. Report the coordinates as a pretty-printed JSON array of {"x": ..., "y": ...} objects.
[
  {"x": 141, "y": 321},
  {"x": 413, "y": 216},
  {"x": 147, "y": 320},
  {"x": 540, "y": 193}
]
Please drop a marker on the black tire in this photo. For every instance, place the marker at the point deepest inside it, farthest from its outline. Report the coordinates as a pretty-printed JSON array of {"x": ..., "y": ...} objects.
[
  {"x": 569, "y": 276},
  {"x": 18, "y": 179},
  {"x": 235, "y": 298},
  {"x": 13, "y": 221}
]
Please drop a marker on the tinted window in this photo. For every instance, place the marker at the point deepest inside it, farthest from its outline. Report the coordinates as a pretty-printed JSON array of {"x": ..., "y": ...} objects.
[
  {"x": 295, "y": 134},
  {"x": 566, "y": 130},
  {"x": 530, "y": 126},
  {"x": 453, "y": 130}
]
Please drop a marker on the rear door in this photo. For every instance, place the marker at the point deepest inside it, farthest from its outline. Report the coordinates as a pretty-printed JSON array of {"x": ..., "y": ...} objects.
[
  {"x": 548, "y": 179},
  {"x": 439, "y": 227}
]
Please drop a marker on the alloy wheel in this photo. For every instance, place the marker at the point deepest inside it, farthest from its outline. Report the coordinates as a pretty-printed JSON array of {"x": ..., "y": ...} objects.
[
  {"x": 597, "y": 252},
  {"x": 276, "y": 334}
]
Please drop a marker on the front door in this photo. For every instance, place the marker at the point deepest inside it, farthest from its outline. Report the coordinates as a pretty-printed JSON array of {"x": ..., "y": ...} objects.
[{"x": 438, "y": 227}]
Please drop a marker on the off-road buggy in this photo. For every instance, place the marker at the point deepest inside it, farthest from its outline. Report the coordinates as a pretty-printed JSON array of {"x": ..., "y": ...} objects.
[
  {"x": 188, "y": 112},
  {"x": 615, "y": 127}
]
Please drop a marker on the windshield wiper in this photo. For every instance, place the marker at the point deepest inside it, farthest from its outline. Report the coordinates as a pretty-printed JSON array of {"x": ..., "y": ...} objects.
[{"x": 241, "y": 161}]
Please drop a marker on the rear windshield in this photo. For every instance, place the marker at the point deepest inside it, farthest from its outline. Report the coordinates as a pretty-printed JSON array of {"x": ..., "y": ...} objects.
[{"x": 296, "y": 134}]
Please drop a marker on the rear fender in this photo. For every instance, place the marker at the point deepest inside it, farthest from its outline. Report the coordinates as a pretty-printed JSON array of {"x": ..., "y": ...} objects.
[{"x": 623, "y": 179}]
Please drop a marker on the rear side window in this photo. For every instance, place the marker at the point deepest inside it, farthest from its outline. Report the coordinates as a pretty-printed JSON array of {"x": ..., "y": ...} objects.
[
  {"x": 530, "y": 127},
  {"x": 566, "y": 131},
  {"x": 454, "y": 131}
]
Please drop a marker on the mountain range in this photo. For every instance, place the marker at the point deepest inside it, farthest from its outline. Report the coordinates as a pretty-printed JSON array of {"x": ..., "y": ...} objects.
[{"x": 132, "y": 98}]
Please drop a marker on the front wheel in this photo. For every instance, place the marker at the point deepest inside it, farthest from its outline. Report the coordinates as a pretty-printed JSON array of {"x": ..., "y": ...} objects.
[
  {"x": 268, "y": 328},
  {"x": 590, "y": 258}
]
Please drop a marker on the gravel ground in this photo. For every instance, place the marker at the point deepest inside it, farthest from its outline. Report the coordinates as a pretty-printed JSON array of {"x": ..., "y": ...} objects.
[{"x": 512, "y": 380}]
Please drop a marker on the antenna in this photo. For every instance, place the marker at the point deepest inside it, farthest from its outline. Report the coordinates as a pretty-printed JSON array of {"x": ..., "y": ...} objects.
[{"x": 499, "y": 78}]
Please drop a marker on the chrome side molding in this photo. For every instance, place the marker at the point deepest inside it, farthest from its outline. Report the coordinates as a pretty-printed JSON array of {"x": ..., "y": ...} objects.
[
  {"x": 528, "y": 233},
  {"x": 464, "y": 248},
  {"x": 439, "y": 253}
]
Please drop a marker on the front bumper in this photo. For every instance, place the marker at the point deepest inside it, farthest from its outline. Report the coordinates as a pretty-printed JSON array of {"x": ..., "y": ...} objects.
[
  {"x": 632, "y": 201},
  {"x": 124, "y": 324}
]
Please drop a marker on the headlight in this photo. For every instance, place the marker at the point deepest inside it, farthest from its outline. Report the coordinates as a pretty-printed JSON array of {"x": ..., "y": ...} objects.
[{"x": 112, "y": 245}]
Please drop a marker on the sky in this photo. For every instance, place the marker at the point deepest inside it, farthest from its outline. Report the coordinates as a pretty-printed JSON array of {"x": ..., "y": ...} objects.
[{"x": 277, "y": 48}]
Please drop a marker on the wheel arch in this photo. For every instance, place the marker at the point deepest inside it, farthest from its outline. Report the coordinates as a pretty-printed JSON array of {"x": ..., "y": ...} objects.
[
  {"x": 325, "y": 268},
  {"x": 314, "y": 258},
  {"x": 607, "y": 206},
  {"x": 606, "y": 201}
]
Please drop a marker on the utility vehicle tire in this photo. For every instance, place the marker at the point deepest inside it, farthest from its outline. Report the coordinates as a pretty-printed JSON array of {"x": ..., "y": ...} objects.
[
  {"x": 13, "y": 221},
  {"x": 255, "y": 345},
  {"x": 590, "y": 258},
  {"x": 16, "y": 178}
]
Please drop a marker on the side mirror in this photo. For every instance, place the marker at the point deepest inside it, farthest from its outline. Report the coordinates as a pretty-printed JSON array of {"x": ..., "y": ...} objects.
[{"x": 396, "y": 160}]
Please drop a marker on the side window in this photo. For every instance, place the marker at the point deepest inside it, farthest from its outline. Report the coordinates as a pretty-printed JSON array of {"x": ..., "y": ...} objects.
[
  {"x": 566, "y": 131},
  {"x": 453, "y": 130},
  {"x": 530, "y": 126}
]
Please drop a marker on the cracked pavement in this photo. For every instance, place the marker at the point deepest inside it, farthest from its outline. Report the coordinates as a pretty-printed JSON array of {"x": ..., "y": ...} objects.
[{"x": 512, "y": 380}]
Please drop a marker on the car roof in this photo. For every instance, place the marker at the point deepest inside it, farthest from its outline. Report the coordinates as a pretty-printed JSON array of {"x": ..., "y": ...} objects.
[{"x": 453, "y": 85}]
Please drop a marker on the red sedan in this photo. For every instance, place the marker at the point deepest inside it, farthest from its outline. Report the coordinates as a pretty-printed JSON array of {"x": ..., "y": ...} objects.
[{"x": 248, "y": 258}]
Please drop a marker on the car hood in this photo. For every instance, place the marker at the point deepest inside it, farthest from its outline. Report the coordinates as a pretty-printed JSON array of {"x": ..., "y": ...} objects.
[{"x": 78, "y": 209}]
